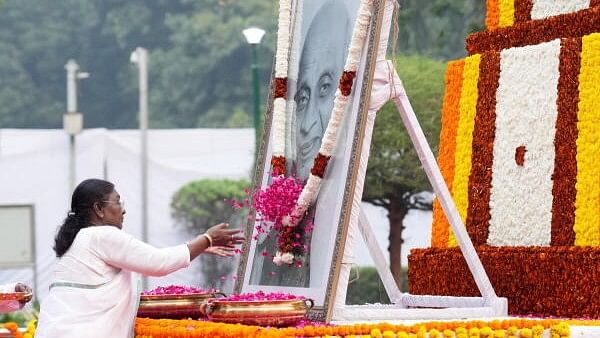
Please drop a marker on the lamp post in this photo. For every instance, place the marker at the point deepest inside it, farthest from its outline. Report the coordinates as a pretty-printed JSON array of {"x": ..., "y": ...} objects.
[
  {"x": 253, "y": 36},
  {"x": 72, "y": 120},
  {"x": 139, "y": 57}
]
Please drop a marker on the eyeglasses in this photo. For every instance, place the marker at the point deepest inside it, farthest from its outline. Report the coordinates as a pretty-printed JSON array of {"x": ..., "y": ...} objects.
[{"x": 120, "y": 203}]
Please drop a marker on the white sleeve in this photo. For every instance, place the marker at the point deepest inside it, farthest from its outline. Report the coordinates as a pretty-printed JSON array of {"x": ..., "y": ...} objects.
[{"x": 122, "y": 250}]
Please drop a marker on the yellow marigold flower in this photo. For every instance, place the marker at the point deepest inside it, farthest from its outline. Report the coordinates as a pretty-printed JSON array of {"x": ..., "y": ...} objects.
[
  {"x": 526, "y": 333},
  {"x": 461, "y": 330},
  {"x": 499, "y": 334},
  {"x": 376, "y": 333},
  {"x": 433, "y": 333},
  {"x": 474, "y": 332},
  {"x": 402, "y": 334},
  {"x": 486, "y": 331},
  {"x": 538, "y": 330},
  {"x": 389, "y": 334},
  {"x": 448, "y": 333}
]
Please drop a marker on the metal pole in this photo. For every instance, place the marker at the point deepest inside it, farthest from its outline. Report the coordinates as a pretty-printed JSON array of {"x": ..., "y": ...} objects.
[
  {"x": 72, "y": 68},
  {"x": 142, "y": 61},
  {"x": 256, "y": 92}
]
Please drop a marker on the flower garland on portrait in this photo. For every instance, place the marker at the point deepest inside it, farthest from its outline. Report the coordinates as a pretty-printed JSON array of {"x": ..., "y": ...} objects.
[{"x": 284, "y": 203}]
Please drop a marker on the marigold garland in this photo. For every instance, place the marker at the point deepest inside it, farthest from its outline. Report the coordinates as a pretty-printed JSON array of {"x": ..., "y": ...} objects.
[
  {"x": 450, "y": 116},
  {"x": 13, "y": 328},
  {"x": 507, "y": 13},
  {"x": 464, "y": 138},
  {"x": 492, "y": 14},
  {"x": 587, "y": 204},
  {"x": 163, "y": 328}
]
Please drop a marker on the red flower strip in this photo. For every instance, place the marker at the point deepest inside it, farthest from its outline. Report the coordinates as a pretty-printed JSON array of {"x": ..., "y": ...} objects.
[
  {"x": 278, "y": 165},
  {"x": 480, "y": 180},
  {"x": 346, "y": 82},
  {"x": 319, "y": 166},
  {"x": 548, "y": 281},
  {"x": 565, "y": 144},
  {"x": 594, "y": 3},
  {"x": 280, "y": 87},
  {"x": 520, "y": 155},
  {"x": 534, "y": 32},
  {"x": 523, "y": 10}
]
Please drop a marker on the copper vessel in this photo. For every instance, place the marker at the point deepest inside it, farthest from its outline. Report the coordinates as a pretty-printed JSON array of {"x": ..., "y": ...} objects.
[
  {"x": 19, "y": 296},
  {"x": 174, "y": 306},
  {"x": 262, "y": 313}
]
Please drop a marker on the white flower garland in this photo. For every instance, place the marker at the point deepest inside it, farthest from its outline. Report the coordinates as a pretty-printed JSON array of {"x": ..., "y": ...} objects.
[
  {"x": 313, "y": 184},
  {"x": 281, "y": 70},
  {"x": 359, "y": 33}
]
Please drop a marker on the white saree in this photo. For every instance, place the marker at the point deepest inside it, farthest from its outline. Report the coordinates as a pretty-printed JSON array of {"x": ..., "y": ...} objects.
[{"x": 93, "y": 292}]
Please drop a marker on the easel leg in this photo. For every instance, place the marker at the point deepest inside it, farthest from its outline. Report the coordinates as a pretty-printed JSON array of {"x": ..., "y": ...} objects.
[{"x": 441, "y": 190}]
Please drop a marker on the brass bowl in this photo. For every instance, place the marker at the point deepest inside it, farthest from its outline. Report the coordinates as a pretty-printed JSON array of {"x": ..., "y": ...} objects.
[
  {"x": 175, "y": 306},
  {"x": 262, "y": 313},
  {"x": 22, "y": 297}
]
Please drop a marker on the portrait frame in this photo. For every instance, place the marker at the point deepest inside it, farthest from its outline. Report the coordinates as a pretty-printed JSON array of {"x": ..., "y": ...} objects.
[{"x": 326, "y": 280}]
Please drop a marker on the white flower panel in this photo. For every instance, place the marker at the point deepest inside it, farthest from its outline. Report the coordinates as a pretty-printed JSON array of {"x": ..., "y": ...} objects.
[
  {"x": 542, "y": 9},
  {"x": 526, "y": 111}
]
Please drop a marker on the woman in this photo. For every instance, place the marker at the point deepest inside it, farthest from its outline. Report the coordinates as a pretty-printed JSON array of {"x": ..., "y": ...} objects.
[{"x": 92, "y": 294}]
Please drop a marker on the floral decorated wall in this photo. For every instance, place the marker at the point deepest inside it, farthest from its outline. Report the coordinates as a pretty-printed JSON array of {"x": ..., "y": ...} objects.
[{"x": 519, "y": 148}]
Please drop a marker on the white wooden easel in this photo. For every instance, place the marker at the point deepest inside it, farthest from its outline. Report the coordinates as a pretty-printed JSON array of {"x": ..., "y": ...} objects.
[{"x": 388, "y": 86}]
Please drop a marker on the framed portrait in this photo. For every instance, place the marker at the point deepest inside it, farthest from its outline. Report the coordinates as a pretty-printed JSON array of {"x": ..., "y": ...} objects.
[{"x": 321, "y": 34}]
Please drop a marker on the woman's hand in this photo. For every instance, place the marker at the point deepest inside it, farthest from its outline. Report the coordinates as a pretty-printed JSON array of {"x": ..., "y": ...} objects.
[
  {"x": 221, "y": 251},
  {"x": 218, "y": 240},
  {"x": 221, "y": 236}
]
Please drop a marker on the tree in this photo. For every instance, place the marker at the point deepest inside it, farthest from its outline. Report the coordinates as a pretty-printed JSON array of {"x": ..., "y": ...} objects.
[
  {"x": 201, "y": 204},
  {"x": 199, "y": 61},
  {"x": 395, "y": 177},
  {"x": 438, "y": 28}
]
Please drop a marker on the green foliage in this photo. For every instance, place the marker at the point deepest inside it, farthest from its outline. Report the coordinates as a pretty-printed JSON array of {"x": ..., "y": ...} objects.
[
  {"x": 394, "y": 171},
  {"x": 199, "y": 60},
  {"x": 365, "y": 287},
  {"x": 201, "y": 204},
  {"x": 438, "y": 28}
]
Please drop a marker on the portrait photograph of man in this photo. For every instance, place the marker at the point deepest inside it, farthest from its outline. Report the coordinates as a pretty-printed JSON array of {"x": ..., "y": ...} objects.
[{"x": 321, "y": 47}]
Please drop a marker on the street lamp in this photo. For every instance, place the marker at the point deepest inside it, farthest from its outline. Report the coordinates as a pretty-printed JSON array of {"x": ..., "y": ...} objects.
[
  {"x": 72, "y": 120},
  {"x": 253, "y": 36},
  {"x": 139, "y": 57}
]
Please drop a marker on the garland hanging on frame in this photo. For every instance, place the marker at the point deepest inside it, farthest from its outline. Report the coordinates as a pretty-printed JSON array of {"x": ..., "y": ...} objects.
[{"x": 285, "y": 202}]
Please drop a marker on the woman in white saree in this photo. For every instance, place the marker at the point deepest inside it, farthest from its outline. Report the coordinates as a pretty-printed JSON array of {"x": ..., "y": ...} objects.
[{"x": 92, "y": 293}]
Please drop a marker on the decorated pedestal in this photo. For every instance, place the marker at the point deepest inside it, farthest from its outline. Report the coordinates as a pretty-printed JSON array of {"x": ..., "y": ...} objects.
[{"x": 519, "y": 147}]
